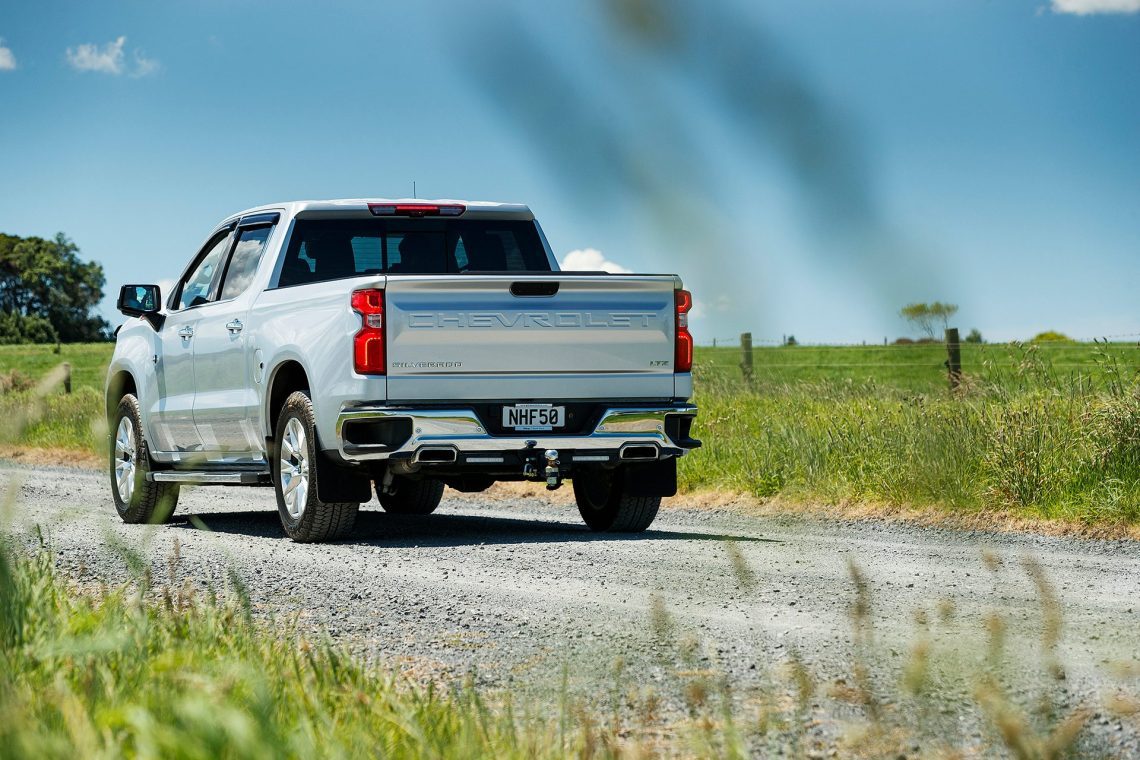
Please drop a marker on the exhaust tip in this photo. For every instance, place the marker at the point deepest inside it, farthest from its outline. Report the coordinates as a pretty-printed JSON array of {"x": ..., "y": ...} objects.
[
  {"x": 639, "y": 452},
  {"x": 435, "y": 455}
]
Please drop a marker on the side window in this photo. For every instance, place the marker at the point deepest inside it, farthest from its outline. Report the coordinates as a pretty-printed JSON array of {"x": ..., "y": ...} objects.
[
  {"x": 243, "y": 263},
  {"x": 195, "y": 289}
]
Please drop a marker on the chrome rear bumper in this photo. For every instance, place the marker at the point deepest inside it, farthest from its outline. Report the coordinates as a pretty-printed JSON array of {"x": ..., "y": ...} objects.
[{"x": 462, "y": 430}]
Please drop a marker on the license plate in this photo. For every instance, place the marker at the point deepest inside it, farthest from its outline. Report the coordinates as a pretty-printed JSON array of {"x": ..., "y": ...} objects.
[{"x": 533, "y": 416}]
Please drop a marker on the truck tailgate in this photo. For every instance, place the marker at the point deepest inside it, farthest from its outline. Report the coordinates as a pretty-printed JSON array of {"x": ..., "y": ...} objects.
[{"x": 528, "y": 337}]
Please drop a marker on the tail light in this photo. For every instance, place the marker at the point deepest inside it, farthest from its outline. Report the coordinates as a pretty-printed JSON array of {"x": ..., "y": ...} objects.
[
  {"x": 368, "y": 344},
  {"x": 683, "y": 357}
]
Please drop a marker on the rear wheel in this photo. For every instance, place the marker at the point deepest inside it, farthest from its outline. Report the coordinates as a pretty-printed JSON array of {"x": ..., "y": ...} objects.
[
  {"x": 137, "y": 499},
  {"x": 410, "y": 497},
  {"x": 605, "y": 505},
  {"x": 305, "y": 517}
]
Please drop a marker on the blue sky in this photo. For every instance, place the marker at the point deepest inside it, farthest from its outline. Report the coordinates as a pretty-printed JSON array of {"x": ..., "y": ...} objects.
[{"x": 985, "y": 153}]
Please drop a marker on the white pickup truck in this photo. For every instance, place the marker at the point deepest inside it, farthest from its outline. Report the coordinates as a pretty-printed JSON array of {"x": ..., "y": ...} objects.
[{"x": 331, "y": 348}]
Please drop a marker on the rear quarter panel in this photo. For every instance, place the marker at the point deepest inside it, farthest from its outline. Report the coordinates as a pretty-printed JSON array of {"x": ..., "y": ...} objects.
[{"x": 314, "y": 325}]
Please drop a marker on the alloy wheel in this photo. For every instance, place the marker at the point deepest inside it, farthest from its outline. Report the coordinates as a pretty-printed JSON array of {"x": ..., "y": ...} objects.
[
  {"x": 294, "y": 468},
  {"x": 126, "y": 454}
]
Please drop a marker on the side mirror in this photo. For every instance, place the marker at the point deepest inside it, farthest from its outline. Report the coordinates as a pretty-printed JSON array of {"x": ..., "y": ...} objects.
[{"x": 142, "y": 301}]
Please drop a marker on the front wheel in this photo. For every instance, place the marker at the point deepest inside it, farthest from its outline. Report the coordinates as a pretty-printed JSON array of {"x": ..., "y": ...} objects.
[
  {"x": 137, "y": 499},
  {"x": 606, "y": 506},
  {"x": 305, "y": 517}
]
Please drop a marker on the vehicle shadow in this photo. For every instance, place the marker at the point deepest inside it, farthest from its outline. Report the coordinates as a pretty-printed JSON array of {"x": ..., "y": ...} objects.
[{"x": 382, "y": 529}]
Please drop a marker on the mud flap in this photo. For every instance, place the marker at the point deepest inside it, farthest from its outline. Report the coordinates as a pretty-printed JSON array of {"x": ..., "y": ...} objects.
[
  {"x": 340, "y": 484},
  {"x": 651, "y": 478}
]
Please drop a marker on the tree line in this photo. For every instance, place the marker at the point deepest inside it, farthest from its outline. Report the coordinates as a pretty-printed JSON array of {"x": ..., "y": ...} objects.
[{"x": 49, "y": 294}]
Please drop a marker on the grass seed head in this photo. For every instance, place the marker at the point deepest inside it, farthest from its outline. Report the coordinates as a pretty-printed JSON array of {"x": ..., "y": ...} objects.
[{"x": 745, "y": 577}]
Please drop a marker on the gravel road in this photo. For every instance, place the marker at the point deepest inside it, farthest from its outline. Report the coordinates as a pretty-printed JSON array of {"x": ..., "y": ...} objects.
[{"x": 517, "y": 591}]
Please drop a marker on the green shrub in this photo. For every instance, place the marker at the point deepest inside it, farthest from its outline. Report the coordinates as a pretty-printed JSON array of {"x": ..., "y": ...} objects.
[
  {"x": 1052, "y": 336},
  {"x": 17, "y": 328}
]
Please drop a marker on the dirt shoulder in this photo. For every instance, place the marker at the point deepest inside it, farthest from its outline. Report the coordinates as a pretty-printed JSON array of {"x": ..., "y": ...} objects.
[
  {"x": 50, "y": 457},
  {"x": 997, "y": 520}
]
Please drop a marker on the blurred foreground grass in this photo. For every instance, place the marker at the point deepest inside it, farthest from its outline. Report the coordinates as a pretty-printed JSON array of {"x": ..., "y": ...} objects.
[
  {"x": 1050, "y": 430},
  {"x": 140, "y": 671},
  {"x": 162, "y": 669}
]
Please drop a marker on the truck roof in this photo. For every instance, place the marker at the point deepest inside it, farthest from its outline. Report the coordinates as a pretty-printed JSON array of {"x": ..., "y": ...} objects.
[{"x": 359, "y": 206}]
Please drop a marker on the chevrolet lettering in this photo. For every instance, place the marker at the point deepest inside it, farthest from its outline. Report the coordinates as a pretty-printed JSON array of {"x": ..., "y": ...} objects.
[
  {"x": 622, "y": 320},
  {"x": 345, "y": 350}
]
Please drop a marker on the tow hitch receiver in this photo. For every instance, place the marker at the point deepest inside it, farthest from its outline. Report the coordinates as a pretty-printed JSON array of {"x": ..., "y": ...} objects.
[{"x": 553, "y": 474}]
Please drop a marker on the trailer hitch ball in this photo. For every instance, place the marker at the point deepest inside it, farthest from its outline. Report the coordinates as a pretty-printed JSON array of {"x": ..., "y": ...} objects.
[{"x": 553, "y": 474}]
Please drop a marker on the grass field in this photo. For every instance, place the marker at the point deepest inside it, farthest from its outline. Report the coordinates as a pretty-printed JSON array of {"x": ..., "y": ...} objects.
[
  {"x": 46, "y": 417},
  {"x": 1049, "y": 430},
  {"x": 918, "y": 368},
  {"x": 88, "y": 361}
]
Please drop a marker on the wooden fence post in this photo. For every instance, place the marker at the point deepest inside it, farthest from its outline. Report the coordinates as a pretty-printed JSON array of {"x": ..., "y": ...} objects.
[
  {"x": 746, "y": 355},
  {"x": 67, "y": 377},
  {"x": 953, "y": 357}
]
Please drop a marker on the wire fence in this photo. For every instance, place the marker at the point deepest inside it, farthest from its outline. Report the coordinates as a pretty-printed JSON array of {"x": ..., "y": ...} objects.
[
  {"x": 1117, "y": 354},
  {"x": 1080, "y": 344}
]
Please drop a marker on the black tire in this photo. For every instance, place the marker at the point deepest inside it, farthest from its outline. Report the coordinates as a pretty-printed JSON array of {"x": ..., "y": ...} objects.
[
  {"x": 606, "y": 507},
  {"x": 144, "y": 501},
  {"x": 410, "y": 497},
  {"x": 305, "y": 518}
]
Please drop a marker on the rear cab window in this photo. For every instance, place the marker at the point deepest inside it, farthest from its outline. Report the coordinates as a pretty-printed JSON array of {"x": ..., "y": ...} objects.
[{"x": 330, "y": 249}]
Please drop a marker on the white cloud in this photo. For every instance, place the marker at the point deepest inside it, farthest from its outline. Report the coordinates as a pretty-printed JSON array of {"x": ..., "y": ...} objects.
[
  {"x": 722, "y": 305},
  {"x": 590, "y": 260},
  {"x": 1089, "y": 7},
  {"x": 110, "y": 59},
  {"x": 7, "y": 59},
  {"x": 701, "y": 309},
  {"x": 143, "y": 65},
  {"x": 90, "y": 57}
]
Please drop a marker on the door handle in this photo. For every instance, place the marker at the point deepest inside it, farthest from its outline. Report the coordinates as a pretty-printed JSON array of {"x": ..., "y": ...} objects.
[
  {"x": 234, "y": 327},
  {"x": 186, "y": 333}
]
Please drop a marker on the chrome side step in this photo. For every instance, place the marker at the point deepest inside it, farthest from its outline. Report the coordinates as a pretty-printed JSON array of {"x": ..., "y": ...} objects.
[{"x": 186, "y": 477}]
